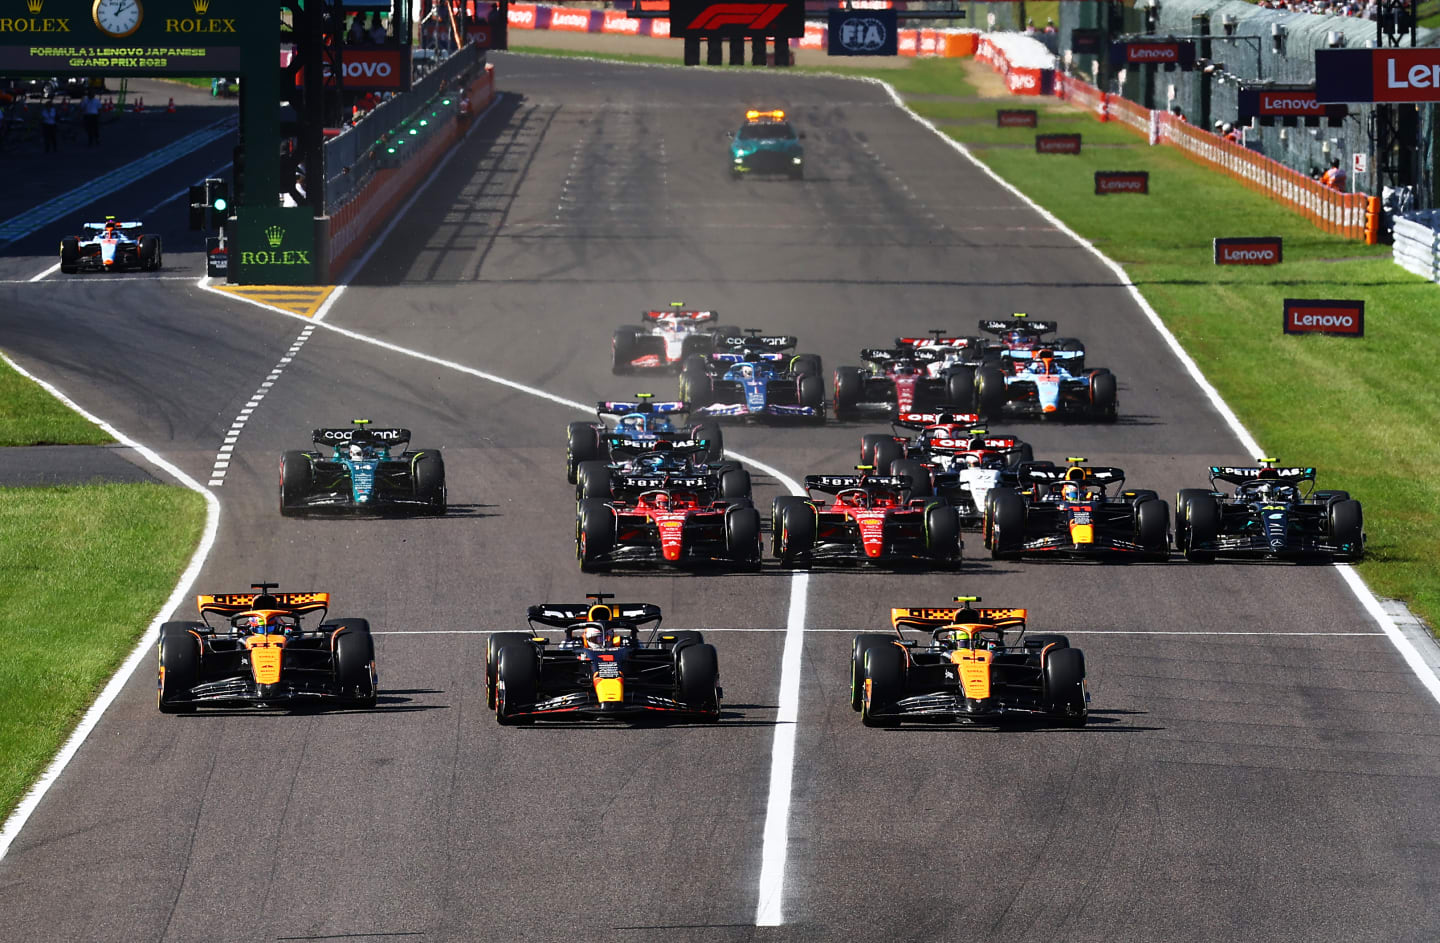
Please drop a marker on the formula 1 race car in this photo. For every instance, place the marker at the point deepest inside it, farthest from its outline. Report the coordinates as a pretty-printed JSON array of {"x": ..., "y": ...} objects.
[
  {"x": 111, "y": 247},
  {"x": 262, "y": 656},
  {"x": 1067, "y": 511},
  {"x": 1021, "y": 336},
  {"x": 639, "y": 424},
  {"x": 601, "y": 668},
  {"x": 873, "y": 519},
  {"x": 895, "y": 379},
  {"x": 362, "y": 473},
  {"x": 1038, "y": 383},
  {"x": 629, "y": 463},
  {"x": 671, "y": 520},
  {"x": 949, "y": 457},
  {"x": 978, "y": 667},
  {"x": 1271, "y": 513},
  {"x": 665, "y": 338},
  {"x": 766, "y": 144},
  {"x": 754, "y": 376}
]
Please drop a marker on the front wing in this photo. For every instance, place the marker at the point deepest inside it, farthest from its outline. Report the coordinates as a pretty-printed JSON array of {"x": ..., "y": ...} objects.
[{"x": 585, "y": 705}]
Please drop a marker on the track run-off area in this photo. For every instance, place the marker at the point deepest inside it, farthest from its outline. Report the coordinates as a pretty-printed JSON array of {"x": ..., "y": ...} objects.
[{"x": 1261, "y": 754}]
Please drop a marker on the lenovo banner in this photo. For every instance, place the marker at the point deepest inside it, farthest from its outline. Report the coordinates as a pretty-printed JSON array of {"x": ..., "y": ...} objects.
[
  {"x": 1177, "y": 52},
  {"x": 737, "y": 18},
  {"x": 1016, "y": 118},
  {"x": 1122, "y": 181},
  {"x": 864, "y": 33},
  {"x": 368, "y": 70},
  {"x": 1308, "y": 315},
  {"x": 1248, "y": 250},
  {"x": 1377, "y": 75},
  {"x": 1057, "y": 143},
  {"x": 1268, "y": 104}
]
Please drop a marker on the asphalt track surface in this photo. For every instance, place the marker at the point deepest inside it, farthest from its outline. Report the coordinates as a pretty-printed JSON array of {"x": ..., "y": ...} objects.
[{"x": 1269, "y": 777}]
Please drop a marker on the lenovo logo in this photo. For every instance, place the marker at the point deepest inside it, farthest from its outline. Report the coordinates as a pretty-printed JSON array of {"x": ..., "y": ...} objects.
[
  {"x": 1122, "y": 181},
  {"x": 1248, "y": 251},
  {"x": 1138, "y": 52},
  {"x": 1289, "y": 103},
  {"x": 1015, "y": 118},
  {"x": 1057, "y": 143},
  {"x": 1303, "y": 316}
]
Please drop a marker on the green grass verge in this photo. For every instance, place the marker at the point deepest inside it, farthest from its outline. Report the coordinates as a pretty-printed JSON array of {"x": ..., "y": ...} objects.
[
  {"x": 1361, "y": 410},
  {"x": 83, "y": 571},
  {"x": 31, "y": 416}
]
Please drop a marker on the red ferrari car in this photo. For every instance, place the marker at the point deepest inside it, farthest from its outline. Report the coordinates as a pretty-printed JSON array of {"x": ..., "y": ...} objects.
[{"x": 680, "y": 523}]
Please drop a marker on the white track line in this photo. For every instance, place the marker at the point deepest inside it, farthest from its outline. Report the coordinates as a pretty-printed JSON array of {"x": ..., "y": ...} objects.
[
  {"x": 117, "y": 681},
  {"x": 851, "y": 631},
  {"x": 232, "y": 435}
]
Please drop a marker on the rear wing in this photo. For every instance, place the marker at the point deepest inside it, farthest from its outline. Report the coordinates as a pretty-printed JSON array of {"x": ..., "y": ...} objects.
[
  {"x": 763, "y": 342},
  {"x": 934, "y": 341},
  {"x": 673, "y": 314},
  {"x": 131, "y": 224},
  {"x": 966, "y": 443},
  {"x": 1051, "y": 475},
  {"x": 1018, "y": 324},
  {"x": 229, "y": 604},
  {"x": 1032, "y": 354},
  {"x": 1239, "y": 475},
  {"x": 883, "y": 353},
  {"x": 935, "y": 618},
  {"x": 676, "y": 482},
  {"x": 338, "y": 437},
  {"x": 563, "y": 615},
  {"x": 921, "y": 420},
  {"x": 832, "y": 484},
  {"x": 629, "y": 447},
  {"x": 615, "y": 407}
]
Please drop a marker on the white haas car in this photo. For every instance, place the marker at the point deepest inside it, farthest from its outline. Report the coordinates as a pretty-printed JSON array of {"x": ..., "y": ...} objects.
[
  {"x": 664, "y": 339},
  {"x": 110, "y": 246},
  {"x": 948, "y": 457}
]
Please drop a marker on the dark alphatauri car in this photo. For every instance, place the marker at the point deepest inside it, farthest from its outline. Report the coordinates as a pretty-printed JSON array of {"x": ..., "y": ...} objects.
[
  {"x": 360, "y": 470},
  {"x": 1273, "y": 512},
  {"x": 600, "y": 668},
  {"x": 1077, "y": 511},
  {"x": 978, "y": 666},
  {"x": 261, "y": 654},
  {"x": 658, "y": 468}
]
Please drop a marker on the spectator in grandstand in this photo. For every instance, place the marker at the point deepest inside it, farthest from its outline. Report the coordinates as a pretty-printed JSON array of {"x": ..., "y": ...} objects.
[
  {"x": 1220, "y": 128},
  {"x": 1049, "y": 24},
  {"x": 357, "y": 35},
  {"x": 1179, "y": 113},
  {"x": 378, "y": 36},
  {"x": 1030, "y": 27},
  {"x": 1334, "y": 178}
]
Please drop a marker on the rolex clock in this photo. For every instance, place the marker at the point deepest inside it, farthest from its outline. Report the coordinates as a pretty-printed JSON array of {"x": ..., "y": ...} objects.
[{"x": 117, "y": 18}]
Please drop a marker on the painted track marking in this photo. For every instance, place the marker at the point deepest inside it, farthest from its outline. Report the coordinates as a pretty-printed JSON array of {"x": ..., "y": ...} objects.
[
  {"x": 851, "y": 631},
  {"x": 232, "y": 436}
]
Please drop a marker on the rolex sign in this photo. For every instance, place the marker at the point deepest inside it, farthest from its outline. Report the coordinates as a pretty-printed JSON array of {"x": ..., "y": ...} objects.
[
  {"x": 275, "y": 246},
  {"x": 863, "y": 33}
]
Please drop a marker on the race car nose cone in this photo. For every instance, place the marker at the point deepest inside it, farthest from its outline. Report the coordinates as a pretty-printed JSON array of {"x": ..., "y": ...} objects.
[{"x": 1049, "y": 407}]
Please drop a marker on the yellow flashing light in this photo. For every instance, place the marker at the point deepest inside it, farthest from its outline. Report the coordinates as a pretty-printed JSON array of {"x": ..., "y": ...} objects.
[{"x": 754, "y": 115}]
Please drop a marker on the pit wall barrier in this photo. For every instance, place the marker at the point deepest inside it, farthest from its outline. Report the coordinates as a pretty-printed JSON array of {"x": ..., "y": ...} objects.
[
  {"x": 1351, "y": 215},
  {"x": 1417, "y": 243},
  {"x": 952, "y": 43},
  {"x": 353, "y": 225}
]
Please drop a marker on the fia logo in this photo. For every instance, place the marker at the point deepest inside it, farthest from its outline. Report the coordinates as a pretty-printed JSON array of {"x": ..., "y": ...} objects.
[{"x": 862, "y": 33}]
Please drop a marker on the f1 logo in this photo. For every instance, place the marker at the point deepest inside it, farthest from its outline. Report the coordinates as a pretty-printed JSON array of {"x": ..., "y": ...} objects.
[{"x": 748, "y": 16}]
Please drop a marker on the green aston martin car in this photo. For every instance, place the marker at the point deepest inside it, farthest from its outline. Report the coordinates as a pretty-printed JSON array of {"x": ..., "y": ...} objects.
[{"x": 767, "y": 144}]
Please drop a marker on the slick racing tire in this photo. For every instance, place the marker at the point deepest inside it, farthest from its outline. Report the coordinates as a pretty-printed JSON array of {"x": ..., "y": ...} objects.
[
  {"x": 622, "y": 350},
  {"x": 1024, "y": 452},
  {"x": 595, "y": 532},
  {"x": 695, "y": 387},
  {"x": 885, "y": 672},
  {"x": 429, "y": 481},
  {"x": 354, "y": 651},
  {"x": 868, "y": 441},
  {"x": 1183, "y": 499},
  {"x": 942, "y": 533},
  {"x": 1006, "y": 524},
  {"x": 742, "y": 536},
  {"x": 592, "y": 480},
  {"x": 1040, "y": 640},
  {"x": 793, "y": 528},
  {"x": 1062, "y": 686},
  {"x": 179, "y": 666},
  {"x": 1202, "y": 528},
  {"x": 1075, "y": 365},
  {"x": 886, "y": 455},
  {"x": 697, "y": 675},
  {"x": 149, "y": 255},
  {"x": 1346, "y": 525},
  {"x": 989, "y": 392},
  {"x": 582, "y": 444},
  {"x": 811, "y": 392},
  {"x": 69, "y": 255},
  {"x": 295, "y": 478},
  {"x": 1103, "y": 396},
  {"x": 920, "y": 484},
  {"x": 714, "y": 439},
  {"x": 862, "y": 644},
  {"x": 849, "y": 387},
  {"x": 807, "y": 365},
  {"x": 678, "y": 640},
  {"x": 517, "y": 682},
  {"x": 734, "y": 484},
  {"x": 960, "y": 388},
  {"x": 493, "y": 644},
  {"x": 1152, "y": 524}
]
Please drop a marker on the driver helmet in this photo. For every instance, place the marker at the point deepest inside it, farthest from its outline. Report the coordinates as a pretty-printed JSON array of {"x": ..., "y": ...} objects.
[
  {"x": 357, "y": 451},
  {"x": 747, "y": 371},
  {"x": 633, "y": 423},
  {"x": 109, "y": 226},
  {"x": 1273, "y": 491},
  {"x": 593, "y": 636},
  {"x": 1070, "y": 491},
  {"x": 261, "y": 624},
  {"x": 661, "y": 500},
  {"x": 1019, "y": 339},
  {"x": 651, "y": 463}
]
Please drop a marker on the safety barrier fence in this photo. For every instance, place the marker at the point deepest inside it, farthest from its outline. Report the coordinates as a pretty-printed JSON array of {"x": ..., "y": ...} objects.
[
  {"x": 353, "y": 225},
  {"x": 1417, "y": 243}
]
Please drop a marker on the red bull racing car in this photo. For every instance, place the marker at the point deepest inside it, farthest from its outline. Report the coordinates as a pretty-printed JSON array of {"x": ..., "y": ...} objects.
[
  {"x": 1072, "y": 512},
  {"x": 111, "y": 246},
  {"x": 600, "y": 668},
  {"x": 259, "y": 654}
]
